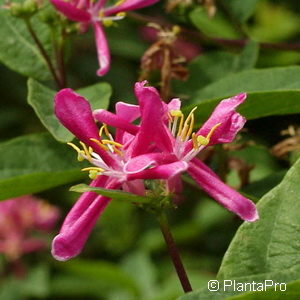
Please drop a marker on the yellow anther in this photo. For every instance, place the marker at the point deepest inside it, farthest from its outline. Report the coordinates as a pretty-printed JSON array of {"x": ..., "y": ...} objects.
[
  {"x": 191, "y": 126},
  {"x": 119, "y": 2},
  {"x": 212, "y": 131},
  {"x": 105, "y": 129},
  {"x": 176, "y": 29},
  {"x": 101, "y": 14},
  {"x": 188, "y": 125},
  {"x": 99, "y": 144},
  {"x": 93, "y": 174},
  {"x": 176, "y": 113},
  {"x": 202, "y": 141},
  {"x": 121, "y": 14},
  {"x": 80, "y": 152},
  {"x": 86, "y": 151},
  {"x": 104, "y": 142},
  {"x": 107, "y": 22}
]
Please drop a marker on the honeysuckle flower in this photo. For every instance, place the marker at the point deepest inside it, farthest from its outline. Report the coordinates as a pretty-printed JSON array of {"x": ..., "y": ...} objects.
[
  {"x": 88, "y": 12},
  {"x": 19, "y": 219},
  {"x": 109, "y": 155},
  {"x": 161, "y": 130}
]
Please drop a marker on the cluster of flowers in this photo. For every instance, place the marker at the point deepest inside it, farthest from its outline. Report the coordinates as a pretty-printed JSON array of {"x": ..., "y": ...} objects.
[
  {"x": 20, "y": 221},
  {"x": 162, "y": 147}
]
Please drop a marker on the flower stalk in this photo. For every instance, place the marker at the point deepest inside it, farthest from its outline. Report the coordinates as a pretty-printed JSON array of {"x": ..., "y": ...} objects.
[{"x": 173, "y": 251}]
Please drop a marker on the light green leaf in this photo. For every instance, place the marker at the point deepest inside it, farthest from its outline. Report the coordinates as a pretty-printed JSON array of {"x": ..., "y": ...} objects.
[
  {"x": 17, "y": 49},
  {"x": 114, "y": 194},
  {"x": 216, "y": 26},
  {"x": 33, "y": 163},
  {"x": 41, "y": 97},
  {"x": 277, "y": 88}
]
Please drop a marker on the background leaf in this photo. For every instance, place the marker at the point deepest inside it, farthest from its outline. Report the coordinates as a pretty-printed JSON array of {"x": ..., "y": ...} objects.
[
  {"x": 41, "y": 97},
  {"x": 33, "y": 163},
  {"x": 17, "y": 49}
]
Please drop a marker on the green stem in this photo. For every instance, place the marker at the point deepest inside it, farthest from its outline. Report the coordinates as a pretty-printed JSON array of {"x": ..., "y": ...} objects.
[
  {"x": 174, "y": 254},
  {"x": 43, "y": 52}
]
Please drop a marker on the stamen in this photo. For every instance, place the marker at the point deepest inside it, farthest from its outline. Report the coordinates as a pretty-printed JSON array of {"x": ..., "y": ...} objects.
[
  {"x": 107, "y": 22},
  {"x": 93, "y": 171},
  {"x": 104, "y": 127},
  {"x": 112, "y": 143},
  {"x": 80, "y": 156},
  {"x": 121, "y": 14},
  {"x": 99, "y": 144},
  {"x": 194, "y": 139},
  {"x": 119, "y": 2},
  {"x": 213, "y": 130},
  {"x": 86, "y": 151},
  {"x": 117, "y": 151},
  {"x": 188, "y": 128}
]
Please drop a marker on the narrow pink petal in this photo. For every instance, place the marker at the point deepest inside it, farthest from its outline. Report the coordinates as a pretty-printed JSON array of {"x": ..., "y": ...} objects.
[
  {"x": 75, "y": 113},
  {"x": 71, "y": 12},
  {"x": 152, "y": 129},
  {"x": 141, "y": 162},
  {"x": 128, "y": 112},
  {"x": 129, "y": 5},
  {"x": 82, "y": 204},
  {"x": 161, "y": 172},
  {"x": 231, "y": 121},
  {"x": 69, "y": 242},
  {"x": 102, "y": 49},
  {"x": 174, "y": 104},
  {"x": 108, "y": 118},
  {"x": 221, "y": 192}
]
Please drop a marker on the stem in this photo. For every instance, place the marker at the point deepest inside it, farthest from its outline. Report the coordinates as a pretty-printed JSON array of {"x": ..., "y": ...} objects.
[
  {"x": 43, "y": 52},
  {"x": 172, "y": 249}
]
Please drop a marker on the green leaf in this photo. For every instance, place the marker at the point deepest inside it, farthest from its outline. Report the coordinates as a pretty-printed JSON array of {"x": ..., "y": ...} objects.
[
  {"x": 98, "y": 94},
  {"x": 267, "y": 249},
  {"x": 41, "y": 97},
  {"x": 272, "y": 243},
  {"x": 17, "y": 49},
  {"x": 34, "y": 163},
  {"x": 217, "y": 26},
  {"x": 203, "y": 70},
  {"x": 277, "y": 88},
  {"x": 114, "y": 194},
  {"x": 241, "y": 10},
  {"x": 108, "y": 275}
]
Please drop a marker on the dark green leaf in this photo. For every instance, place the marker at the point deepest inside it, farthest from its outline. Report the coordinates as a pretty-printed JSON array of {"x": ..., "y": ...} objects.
[
  {"x": 242, "y": 10},
  {"x": 41, "y": 99},
  {"x": 114, "y": 194},
  {"x": 277, "y": 88},
  {"x": 17, "y": 49},
  {"x": 33, "y": 163}
]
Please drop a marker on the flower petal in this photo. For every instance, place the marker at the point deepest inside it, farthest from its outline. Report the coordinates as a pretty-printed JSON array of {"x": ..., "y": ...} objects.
[
  {"x": 71, "y": 12},
  {"x": 221, "y": 192},
  {"x": 108, "y": 118},
  {"x": 152, "y": 129},
  {"x": 71, "y": 239},
  {"x": 128, "y": 5},
  {"x": 160, "y": 172},
  {"x": 102, "y": 49},
  {"x": 75, "y": 113},
  {"x": 231, "y": 121},
  {"x": 141, "y": 162}
]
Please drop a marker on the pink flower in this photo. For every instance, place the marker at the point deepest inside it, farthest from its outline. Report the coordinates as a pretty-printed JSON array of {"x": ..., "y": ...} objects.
[
  {"x": 170, "y": 127},
  {"x": 162, "y": 146},
  {"x": 108, "y": 156},
  {"x": 88, "y": 12},
  {"x": 19, "y": 218}
]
